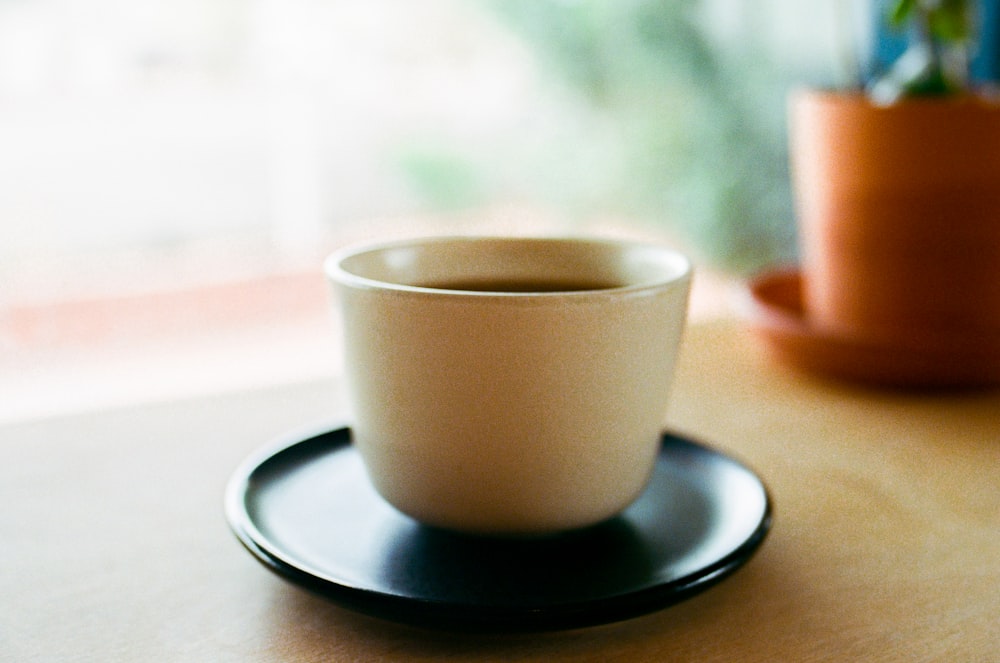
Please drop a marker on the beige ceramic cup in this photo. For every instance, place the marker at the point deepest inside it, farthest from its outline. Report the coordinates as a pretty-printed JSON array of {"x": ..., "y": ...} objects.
[{"x": 510, "y": 386}]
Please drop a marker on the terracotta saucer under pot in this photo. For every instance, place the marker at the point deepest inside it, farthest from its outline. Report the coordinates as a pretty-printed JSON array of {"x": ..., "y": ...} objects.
[{"x": 772, "y": 306}]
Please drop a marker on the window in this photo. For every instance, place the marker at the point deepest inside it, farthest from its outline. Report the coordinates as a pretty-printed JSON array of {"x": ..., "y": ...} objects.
[{"x": 172, "y": 173}]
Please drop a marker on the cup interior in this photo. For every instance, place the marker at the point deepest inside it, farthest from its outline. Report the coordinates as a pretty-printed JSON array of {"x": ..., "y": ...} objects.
[{"x": 509, "y": 265}]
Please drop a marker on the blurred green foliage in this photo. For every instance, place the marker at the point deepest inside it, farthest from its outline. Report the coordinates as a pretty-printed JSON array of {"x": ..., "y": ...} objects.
[
  {"x": 669, "y": 125},
  {"x": 700, "y": 129},
  {"x": 446, "y": 179}
]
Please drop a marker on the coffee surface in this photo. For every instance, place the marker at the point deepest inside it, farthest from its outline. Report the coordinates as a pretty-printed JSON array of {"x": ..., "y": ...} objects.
[{"x": 522, "y": 285}]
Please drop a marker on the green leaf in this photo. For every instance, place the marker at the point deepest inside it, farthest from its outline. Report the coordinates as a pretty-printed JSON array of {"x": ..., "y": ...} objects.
[
  {"x": 901, "y": 12},
  {"x": 951, "y": 21}
]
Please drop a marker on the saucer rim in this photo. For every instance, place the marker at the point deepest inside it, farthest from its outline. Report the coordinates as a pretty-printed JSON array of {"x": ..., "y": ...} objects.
[{"x": 477, "y": 617}]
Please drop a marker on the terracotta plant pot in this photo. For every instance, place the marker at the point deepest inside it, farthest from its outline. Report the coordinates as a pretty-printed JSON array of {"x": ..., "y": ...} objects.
[{"x": 899, "y": 217}]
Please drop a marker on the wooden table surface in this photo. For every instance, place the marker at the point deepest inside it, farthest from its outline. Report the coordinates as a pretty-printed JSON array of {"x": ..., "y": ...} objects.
[{"x": 885, "y": 545}]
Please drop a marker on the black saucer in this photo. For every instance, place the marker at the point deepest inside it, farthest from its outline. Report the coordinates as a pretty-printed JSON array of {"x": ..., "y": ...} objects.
[{"x": 306, "y": 510}]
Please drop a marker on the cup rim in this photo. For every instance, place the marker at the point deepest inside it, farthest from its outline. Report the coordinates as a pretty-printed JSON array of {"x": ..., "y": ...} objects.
[{"x": 677, "y": 267}]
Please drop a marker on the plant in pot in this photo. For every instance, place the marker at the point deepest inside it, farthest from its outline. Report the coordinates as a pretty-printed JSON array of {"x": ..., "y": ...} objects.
[{"x": 897, "y": 193}]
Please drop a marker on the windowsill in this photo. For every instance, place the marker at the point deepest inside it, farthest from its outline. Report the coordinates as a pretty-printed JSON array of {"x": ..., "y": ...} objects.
[{"x": 249, "y": 330}]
